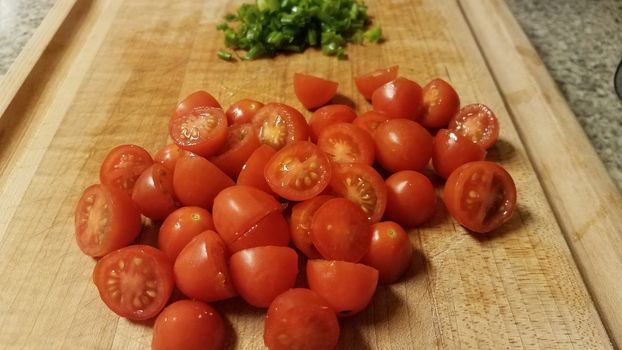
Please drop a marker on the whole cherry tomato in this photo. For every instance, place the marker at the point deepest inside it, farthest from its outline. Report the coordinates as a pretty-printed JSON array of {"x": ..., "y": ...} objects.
[{"x": 402, "y": 144}]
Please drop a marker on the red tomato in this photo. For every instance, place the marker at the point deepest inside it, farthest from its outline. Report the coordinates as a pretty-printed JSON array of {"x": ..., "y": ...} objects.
[
  {"x": 299, "y": 171},
  {"x": 478, "y": 123},
  {"x": 411, "y": 200},
  {"x": 241, "y": 142},
  {"x": 272, "y": 230},
  {"x": 123, "y": 165},
  {"x": 312, "y": 91},
  {"x": 340, "y": 230},
  {"x": 260, "y": 274},
  {"x": 134, "y": 282},
  {"x": 189, "y": 180},
  {"x": 370, "y": 121},
  {"x": 348, "y": 287},
  {"x": 252, "y": 171},
  {"x": 329, "y": 115},
  {"x": 242, "y": 111},
  {"x": 402, "y": 144},
  {"x": 202, "y": 131},
  {"x": 106, "y": 219},
  {"x": 198, "y": 99},
  {"x": 390, "y": 251},
  {"x": 168, "y": 156},
  {"x": 366, "y": 84},
  {"x": 300, "y": 224},
  {"x": 153, "y": 192},
  {"x": 188, "y": 325},
  {"x": 300, "y": 319},
  {"x": 440, "y": 104},
  {"x": 201, "y": 270},
  {"x": 451, "y": 150},
  {"x": 400, "y": 98},
  {"x": 481, "y": 196},
  {"x": 347, "y": 143},
  {"x": 180, "y": 227},
  {"x": 278, "y": 125},
  {"x": 362, "y": 185}
]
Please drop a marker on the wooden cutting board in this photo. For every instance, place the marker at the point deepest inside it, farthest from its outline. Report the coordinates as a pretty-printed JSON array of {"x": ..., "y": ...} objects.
[{"x": 100, "y": 73}]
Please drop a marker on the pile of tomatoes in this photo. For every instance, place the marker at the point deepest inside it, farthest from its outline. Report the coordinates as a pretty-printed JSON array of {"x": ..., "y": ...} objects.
[{"x": 247, "y": 195}]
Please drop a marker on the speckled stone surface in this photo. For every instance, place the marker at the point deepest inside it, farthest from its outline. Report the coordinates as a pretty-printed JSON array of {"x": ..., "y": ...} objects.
[{"x": 580, "y": 41}]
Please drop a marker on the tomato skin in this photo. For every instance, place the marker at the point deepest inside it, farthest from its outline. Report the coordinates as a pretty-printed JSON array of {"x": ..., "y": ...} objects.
[
  {"x": 123, "y": 165},
  {"x": 402, "y": 144},
  {"x": 480, "y": 195},
  {"x": 478, "y": 123},
  {"x": 411, "y": 200},
  {"x": 121, "y": 225},
  {"x": 440, "y": 104},
  {"x": 347, "y": 143},
  {"x": 188, "y": 325},
  {"x": 252, "y": 173},
  {"x": 390, "y": 251},
  {"x": 197, "y": 99},
  {"x": 202, "y": 131},
  {"x": 367, "y": 83},
  {"x": 241, "y": 142},
  {"x": 370, "y": 121},
  {"x": 329, "y": 115},
  {"x": 149, "y": 284},
  {"x": 313, "y": 91},
  {"x": 300, "y": 319},
  {"x": 400, "y": 98},
  {"x": 451, "y": 150},
  {"x": 190, "y": 181},
  {"x": 271, "y": 230},
  {"x": 201, "y": 270},
  {"x": 348, "y": 180},
  {"x": 153, "y": 192},
  {"x": 168, "y": 156},
  {"x": 348, "y": 287},
  {"x": 300, "y": 224},
  {"x": 180, "y": 227},
  {"x": 242, "y": 111},
  {"x": 278, "y": 124}
]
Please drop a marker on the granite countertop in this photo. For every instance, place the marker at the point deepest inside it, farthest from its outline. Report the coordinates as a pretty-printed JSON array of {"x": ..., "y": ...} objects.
[{"x": 580, "y": 41}]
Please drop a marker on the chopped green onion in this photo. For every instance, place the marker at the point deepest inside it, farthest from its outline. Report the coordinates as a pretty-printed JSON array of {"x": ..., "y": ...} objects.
[
  {"x": 224, "y": 55},
  {"x": 373, "y": 35}
]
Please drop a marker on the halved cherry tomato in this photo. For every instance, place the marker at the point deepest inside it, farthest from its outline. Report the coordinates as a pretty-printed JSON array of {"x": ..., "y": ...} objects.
[
  {"x": 411, "y": 200},
  {"x": 197, "y": 99},
  {"x": 451, "y": 150},
  {"x": 168, "y": 156},
  {"x": 197, "y": 181},
  {"x": 370, "y": 121},
  {"x": 105, "y": 219},
  {"x": 180, "y": 227},
  {"x": 348, "y": 287},
  {"x": 153, "y": 192},
  {"x": 329, "y": 115},
  {"x": 241, "y": 142},
  {"x": 253, "y": 170},
  {"x": 202, "y": 131},
  {"x": 300, "y": 224},
  {"x": 298, "y": 172},
  {"x": 123, "y": 165},
  {"x": 135, "y": 282},
  {"x": 188, "y": 325},
  {"x": 390, "y": 251},
  {"x": 478, "y": 123},
  {"x": 481, "y": 196},
  {"x": 367, "y": 83},
  {"x": 312, "y": 91},
  {"x": 300, "y": 319},
  {"x": 402, "y": 144},
  {"x": 400, "y": 98},
  {"x": 278, "y": 125},
  {"x": 271, "y": 230},
  {"x": 243, "y": 111},
  {"x": 347, "y": 143},
  {"x": 440, "y": 104},
  {"x": 362, "y": 185}
]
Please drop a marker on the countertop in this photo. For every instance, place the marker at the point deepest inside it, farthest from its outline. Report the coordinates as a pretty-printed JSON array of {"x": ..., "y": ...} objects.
[{"x": 580, "y": 42}]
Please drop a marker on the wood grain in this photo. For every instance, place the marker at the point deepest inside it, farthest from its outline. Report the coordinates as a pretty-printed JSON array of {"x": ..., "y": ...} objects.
[{"x": 112, "y": 75}]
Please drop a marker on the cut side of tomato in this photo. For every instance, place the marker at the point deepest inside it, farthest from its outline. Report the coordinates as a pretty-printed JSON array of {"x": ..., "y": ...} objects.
[
  {"x": 313, "y": 91},
  {"x": 362, "y": 185},
  {"x": 168, "y": 156},
  {"x": 242, "y": 111},
  {"x": 300, "y": 224},
  {"x": 123, "y": 165},
  {"x": 347, "y": 143},
  {"x": 202, "y": 131},
  {"x": 370, "y": 121},
  {"x": 478, "y": 123},
  {"x": 197, "y": 99},
  {"x": 153, "y": 192},
  {"x": 278, "y": 125},
  {"x": 367, "y": 83},
  {"x": 327, "y": 116},
  {"x": 440, "y": 104},
  {"x": 241, "y": 142}
]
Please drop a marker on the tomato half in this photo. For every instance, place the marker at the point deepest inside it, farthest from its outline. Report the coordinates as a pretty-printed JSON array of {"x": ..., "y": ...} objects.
[
  {"x": 272, "y": 230},
  {"x": 367, "y": 83},
  {"x": 481, "y": 196},
  {"x": 478, "y": 123},
  {"x": 411, "y": 199},
  {"x": 197, "y": 181},
  {"x": 252, "y": 173},
  {"x": 105, "y": 219},
  {"x": 347, "y": 143},
  {"x": 153, "y": 192},
  {"x": 278, "y": 125},
  {"x": 197, "y": 99},
  {"x": 370, "y": 121},
  {"x": 134, "y": 282},
  {"x": 402, "y": 144},
  {"x": 123, "y": 165},
  {"x": 313, "y": 91},
  {"x": 300, "y": 224},
  {"x": 390, "y": 251},
  {"x": 242, "y": 111},
  {"x": 168, "y": 156},
  {"x": 440, "y": 104},
  {"x": 329, "y": 115},
  {"x": 180, "y": 227},
  {"x": 400, "y": 98},
  {"x": 202, "y": 131},
  {"x": 298, "y": 172},
  {"x": 241, "y": 142},
  {"x": 362, "y": 185},
  {"x": 451, "y": 150}
]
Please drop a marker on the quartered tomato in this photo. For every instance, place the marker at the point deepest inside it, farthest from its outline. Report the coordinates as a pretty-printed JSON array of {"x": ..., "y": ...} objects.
[
  {"x": 370, "y": 121},
  {"x": 411, "y": 199},
  {"x": 300, "y": 224},
  {"x": 329, "y": 115},
  {"x": 402, "y": 144},
  {"x": 252, "y": 173},
  {"x": 198, "y": 99},
  {"x": 478, "y": 123},
  {"x": 180, "y": 227},
  {"x": 191, "y": 183},
  {"x": 451, "y": 150},
  {"x": 440, "y": 104},
  {"x": 123, "y": 165},
  {"x": 278, "y": 125},
  {"x": 202, "y": 131},
  {"x": 400, "y": 98},
  {"x": 362, "y": 185},
  {"x": 347, "y": 143},
  {"x": 367, "y": 83},
  {"x": 153, "y": 192},
  {"x": 242, "y": 111},
  {"x": 390, "y": 251},
  {"x": 241, "y": 142},
  {"x": 168, "y": 156},
  {"x": 312, "y": 91}
]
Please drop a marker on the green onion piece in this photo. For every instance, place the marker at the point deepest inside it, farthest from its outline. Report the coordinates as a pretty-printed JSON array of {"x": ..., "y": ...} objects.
[
  {"x": 230, "y": 17},
  {"x": 268, "y": 5},
  {"x": 222, "y": 26},
  {"x": 373, "y": 34},
  {"x": 224, "y": 55}
]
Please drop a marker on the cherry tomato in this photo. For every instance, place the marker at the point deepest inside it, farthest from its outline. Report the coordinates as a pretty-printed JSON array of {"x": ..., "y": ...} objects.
[
  {"x": 300, "y": 224},
  {"x": 481, "y": 196},
  {"x": 390, "y": 251},
  {"x": 201, "y": 270},
  {"x": 348, "y": 287},
  {"x": 366, "y": 84},
  {"x": 188, "y": 325},
  {"x": 300, "y": 319},
  {"x": 400, "y": 98},
  {"x": 134, "y": 282},
  {"x": 340, "y": 230},
  {"x": 241, "y": 142},
  {"x": 190, "y": 181},
  {"x": 402, "y": 144},
  {"x": 202, "y": 131},
  {"x": 347, "y": 143},
  {"x": 106, "y": 219},
  {"x": 411, "y": 200},
  {"x": 168, "y": 156},
  {"x": 197, "y": 99},
  {"x": 370, "y": 121},
  {"x": 299, "y": 171},
  {"x": 312, "y": 91},
  {"x": 272, "y": 230},
  {"x": 362, "y": 185},
  {"x": 253, "y": 170},
  {"x": 260, "y": 274},
  {"x": 123, "y": 165},
  {"x": 329, "y": 115},
  {"x": 242, "y": 111},
  {"x": 180, "y": 227},
  {"x": 153, "y": 192},
  {"x": 440, "y": 104},
  {"x": 451, "y": 150},
  {"x": 278, "y": 125},
  {"x": 478, "y": 123}
]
